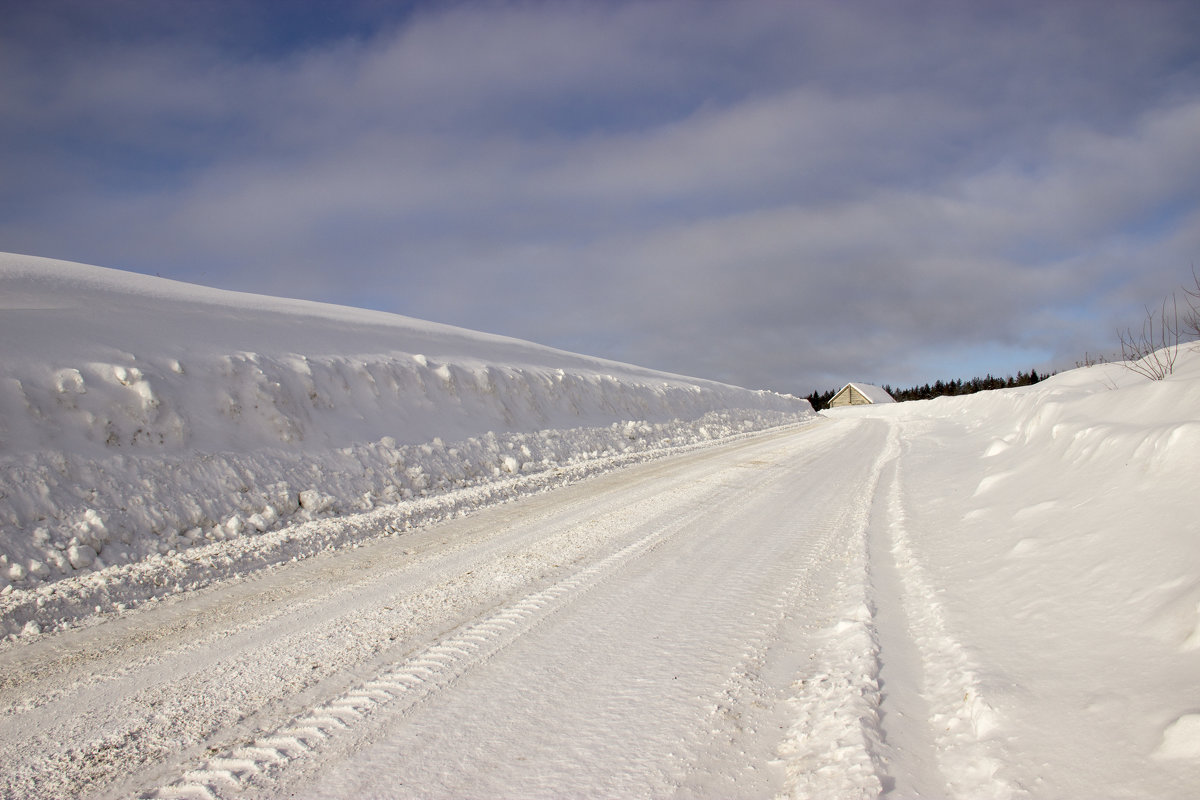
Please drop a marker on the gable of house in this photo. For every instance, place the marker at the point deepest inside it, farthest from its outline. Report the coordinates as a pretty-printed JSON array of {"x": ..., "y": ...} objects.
[{"x": 860, "y": 394}]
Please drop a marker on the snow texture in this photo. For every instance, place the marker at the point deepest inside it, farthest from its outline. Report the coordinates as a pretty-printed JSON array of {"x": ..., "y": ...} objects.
[{"x": 143, "y": 421}]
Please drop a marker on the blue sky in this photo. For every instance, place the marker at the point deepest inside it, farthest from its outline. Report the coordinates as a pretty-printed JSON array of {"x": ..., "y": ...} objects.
[{"x": 775, "y": 194}]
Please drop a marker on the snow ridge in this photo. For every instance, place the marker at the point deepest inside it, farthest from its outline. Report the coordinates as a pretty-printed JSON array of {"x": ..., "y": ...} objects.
[
  {"x": 561, "y": 459},
  {"x": 144, "y": 421},
  {"x": 833, "y": 747},
  {"x": 120, "y": 463},
  {"x": 962, "y": 720}
]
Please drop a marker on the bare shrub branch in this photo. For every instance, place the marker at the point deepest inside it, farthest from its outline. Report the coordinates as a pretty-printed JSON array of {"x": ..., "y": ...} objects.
[
  {"x": 1152, "y": 353},
  {"x": 1191, "y": 315},
  {"x": 1090, "y": 360}
]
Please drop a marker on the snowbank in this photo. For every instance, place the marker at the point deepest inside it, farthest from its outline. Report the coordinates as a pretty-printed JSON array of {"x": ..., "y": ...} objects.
[
  {"x": 1096, "y": 465},
  {"x": 142, "y": 418},
  {"x": 1058, "y": 528}
]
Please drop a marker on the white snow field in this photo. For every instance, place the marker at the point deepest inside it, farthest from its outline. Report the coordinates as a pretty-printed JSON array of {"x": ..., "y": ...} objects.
[{"x": 721, "y": 595}]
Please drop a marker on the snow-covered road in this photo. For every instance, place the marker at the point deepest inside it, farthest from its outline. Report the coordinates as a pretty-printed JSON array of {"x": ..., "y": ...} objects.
[
  {"x": 842, "y": 609},
  {"x": 698, "y": 625}
]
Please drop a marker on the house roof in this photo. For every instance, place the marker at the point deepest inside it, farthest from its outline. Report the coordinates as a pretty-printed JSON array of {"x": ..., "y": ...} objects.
[{"x": 869, "y": 391}]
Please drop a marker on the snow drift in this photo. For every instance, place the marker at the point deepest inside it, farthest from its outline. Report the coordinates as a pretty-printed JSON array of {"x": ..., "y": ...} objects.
[
  {"x": 141, "y": 417},
  {"x": 1058, "y": 531}
]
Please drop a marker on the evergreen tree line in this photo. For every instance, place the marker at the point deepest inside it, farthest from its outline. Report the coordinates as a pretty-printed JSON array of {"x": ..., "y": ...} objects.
[{"x": 951, "y": 388}]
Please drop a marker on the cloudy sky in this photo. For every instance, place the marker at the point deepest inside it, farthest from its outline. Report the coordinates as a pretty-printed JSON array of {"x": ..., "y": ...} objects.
[{"x": 781, "y": 195}]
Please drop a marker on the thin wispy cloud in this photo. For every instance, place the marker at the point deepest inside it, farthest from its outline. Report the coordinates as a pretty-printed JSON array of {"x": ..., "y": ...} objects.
[{"x": 776, "y": 194}]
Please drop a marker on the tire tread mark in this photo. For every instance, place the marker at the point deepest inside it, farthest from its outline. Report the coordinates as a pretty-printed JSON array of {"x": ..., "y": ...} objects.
[{"x": 412, "y": 680}]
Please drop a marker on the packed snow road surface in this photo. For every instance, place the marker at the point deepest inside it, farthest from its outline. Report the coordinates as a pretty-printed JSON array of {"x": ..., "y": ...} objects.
[{"x": 697, "y": 626}]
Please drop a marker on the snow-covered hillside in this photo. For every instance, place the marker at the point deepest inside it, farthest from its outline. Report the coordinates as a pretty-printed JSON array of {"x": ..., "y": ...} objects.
[{"x": 143, "y": 419}]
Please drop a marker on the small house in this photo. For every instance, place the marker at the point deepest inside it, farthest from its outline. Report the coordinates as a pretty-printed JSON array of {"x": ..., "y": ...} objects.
[{"x": 859, "y": 394}]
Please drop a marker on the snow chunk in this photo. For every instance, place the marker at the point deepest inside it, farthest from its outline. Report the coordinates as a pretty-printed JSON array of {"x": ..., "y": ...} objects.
[
  {"x": 314, "y": 502},
  {"x": 81, "y": 555},
  {"x": 1181, "y": 739}
]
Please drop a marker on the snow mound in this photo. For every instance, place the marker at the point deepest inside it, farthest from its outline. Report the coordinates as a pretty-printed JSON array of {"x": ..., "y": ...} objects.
[
  {"x": 141, "y": 418},
  {"x": 1058, "y": 525},
  {"x": 1181, "y": 739},
  {"x": 1105, "y": 444}
]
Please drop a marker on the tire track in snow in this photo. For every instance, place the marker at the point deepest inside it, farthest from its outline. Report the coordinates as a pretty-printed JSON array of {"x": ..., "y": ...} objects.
[
  {"x": 813, "y": 757},
  {"x": 665, "y": 678},
  {"x": 961, "y": 718},
  {"x": 395, "y": 689},
  {"x": 832, "y": 748},
  {"x": 734, "y": 706},
  {"x": 241, "y": 659}
]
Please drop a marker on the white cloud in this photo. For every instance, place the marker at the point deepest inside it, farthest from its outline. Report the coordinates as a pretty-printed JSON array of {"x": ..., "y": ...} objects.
[{"x": 773, "y": 193}]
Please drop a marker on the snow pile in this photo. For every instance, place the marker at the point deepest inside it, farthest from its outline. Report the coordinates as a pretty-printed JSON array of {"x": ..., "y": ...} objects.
[
  {"x": 1058, "y": 527},
  {"x": 141, "y": 418}
]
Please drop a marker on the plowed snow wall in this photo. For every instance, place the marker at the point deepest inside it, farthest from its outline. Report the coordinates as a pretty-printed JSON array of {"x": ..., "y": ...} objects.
[{"x": 104, "y": 463}]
